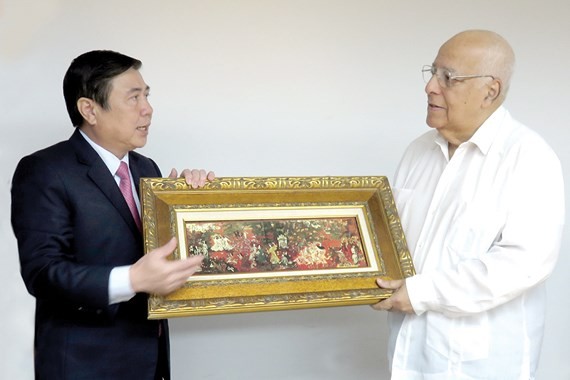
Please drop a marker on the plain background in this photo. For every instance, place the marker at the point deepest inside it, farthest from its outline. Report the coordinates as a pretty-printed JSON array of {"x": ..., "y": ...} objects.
[{"x": 272, "y": 88}]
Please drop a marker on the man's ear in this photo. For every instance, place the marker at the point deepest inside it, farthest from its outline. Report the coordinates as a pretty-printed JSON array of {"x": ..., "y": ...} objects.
[
  {"x": 86, "y": 108},
  {"x": 493, "y": 92}
]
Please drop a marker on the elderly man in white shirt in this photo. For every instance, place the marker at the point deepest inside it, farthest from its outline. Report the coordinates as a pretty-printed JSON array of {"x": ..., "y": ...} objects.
[{"x": 481, "y": 200}]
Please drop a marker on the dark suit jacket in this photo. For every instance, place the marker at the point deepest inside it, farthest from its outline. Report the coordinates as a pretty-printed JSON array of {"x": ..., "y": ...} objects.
[{"x": 73, "y": 226}]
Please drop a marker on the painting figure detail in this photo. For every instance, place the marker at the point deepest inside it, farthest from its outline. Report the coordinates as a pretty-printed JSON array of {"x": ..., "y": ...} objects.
[{"x": 254, "y": 246}]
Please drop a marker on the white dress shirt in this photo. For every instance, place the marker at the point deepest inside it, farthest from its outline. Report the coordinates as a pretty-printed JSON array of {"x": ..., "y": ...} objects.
[
  {"x": 120, "y": 288},
  {"x": 484, "y": 230}
]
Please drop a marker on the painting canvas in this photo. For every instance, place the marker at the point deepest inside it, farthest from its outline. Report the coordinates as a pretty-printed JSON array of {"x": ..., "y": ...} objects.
[{"x": 259, "y": 246}]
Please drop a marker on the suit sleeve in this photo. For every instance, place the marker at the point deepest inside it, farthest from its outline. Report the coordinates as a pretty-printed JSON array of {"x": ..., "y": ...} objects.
[{"x": 43, "y": 222}]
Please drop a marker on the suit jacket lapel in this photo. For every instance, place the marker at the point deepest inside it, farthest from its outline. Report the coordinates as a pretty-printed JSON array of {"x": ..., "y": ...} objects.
[{"x": 102, "y": 178}]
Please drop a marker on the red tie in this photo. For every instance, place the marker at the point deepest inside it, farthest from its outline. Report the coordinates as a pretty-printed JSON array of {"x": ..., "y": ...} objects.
[{"x": 126, "y": 189}]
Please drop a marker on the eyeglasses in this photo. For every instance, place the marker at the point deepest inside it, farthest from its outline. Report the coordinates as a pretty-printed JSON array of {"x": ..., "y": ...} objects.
[{"x": 446, "y": 78}]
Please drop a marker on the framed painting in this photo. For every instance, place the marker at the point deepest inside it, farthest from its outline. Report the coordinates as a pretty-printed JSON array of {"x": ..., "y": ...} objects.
[{"x": 275, "y": 243}]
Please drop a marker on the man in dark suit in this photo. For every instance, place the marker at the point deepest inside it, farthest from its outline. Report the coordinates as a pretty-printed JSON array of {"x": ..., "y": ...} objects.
[{"x": 81, "y": 250}]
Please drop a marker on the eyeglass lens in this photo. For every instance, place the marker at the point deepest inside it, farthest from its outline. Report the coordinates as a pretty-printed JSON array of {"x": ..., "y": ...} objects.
[{"x": 443, "y": 77}]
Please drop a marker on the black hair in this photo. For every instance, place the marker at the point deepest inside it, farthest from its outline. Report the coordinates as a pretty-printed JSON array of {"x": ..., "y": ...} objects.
[{"x": 90, "y": 76}]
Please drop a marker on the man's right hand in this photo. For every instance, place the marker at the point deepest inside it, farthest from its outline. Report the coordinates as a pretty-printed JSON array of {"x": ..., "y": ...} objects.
[{"x": 154, "y": 273}]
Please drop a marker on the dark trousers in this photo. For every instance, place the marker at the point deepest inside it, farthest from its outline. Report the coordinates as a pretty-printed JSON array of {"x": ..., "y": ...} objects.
[{"x": 162, "y": 366}]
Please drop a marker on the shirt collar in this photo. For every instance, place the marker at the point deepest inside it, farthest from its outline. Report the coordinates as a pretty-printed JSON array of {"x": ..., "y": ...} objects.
[
  {"x": 485, "y": 135},
  {"x": 110, "y": 160}
]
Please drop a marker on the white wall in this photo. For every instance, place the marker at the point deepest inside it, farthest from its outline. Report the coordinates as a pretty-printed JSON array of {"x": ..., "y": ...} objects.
[{"x": 267, "y": 87}]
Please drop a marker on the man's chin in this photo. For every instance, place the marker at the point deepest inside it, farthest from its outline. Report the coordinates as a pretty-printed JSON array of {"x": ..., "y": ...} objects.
[
  {"x": 140, "y": 143},
  {"x": 431, "y": 124}
]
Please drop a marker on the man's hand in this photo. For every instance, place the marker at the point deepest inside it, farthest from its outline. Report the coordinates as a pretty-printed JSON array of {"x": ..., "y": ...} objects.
[
  {"x": 154, "y": 273},
  {"x": 195, "y": 177},
  {"x": 398, "y": 301}
]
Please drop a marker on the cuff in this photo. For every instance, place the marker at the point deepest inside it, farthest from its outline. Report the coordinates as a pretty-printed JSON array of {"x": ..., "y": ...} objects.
[{"x": 120, "y": 289}]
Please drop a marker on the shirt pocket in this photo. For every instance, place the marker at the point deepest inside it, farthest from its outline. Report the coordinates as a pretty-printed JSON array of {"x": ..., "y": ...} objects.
[
  {"x": 459, "y": 339},
  {"x": 470, "y": 338},
  {"x": 476, "y": 228}
]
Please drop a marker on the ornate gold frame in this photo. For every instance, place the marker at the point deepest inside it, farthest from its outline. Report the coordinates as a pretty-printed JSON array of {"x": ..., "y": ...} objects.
[{"x": 166, "y": 203}]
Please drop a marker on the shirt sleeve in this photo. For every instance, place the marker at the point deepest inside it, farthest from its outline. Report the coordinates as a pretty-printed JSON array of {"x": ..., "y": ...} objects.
[{"x": 120, "y": 289}]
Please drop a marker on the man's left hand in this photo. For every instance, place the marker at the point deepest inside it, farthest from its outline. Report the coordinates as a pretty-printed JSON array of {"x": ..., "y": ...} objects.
[
  {"x": 399, "y": 301},
  {"x": 194, "y": 177}
]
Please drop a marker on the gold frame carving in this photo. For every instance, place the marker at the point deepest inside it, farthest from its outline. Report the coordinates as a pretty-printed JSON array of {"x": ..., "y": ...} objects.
[{"x": 168, "y": 205}]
